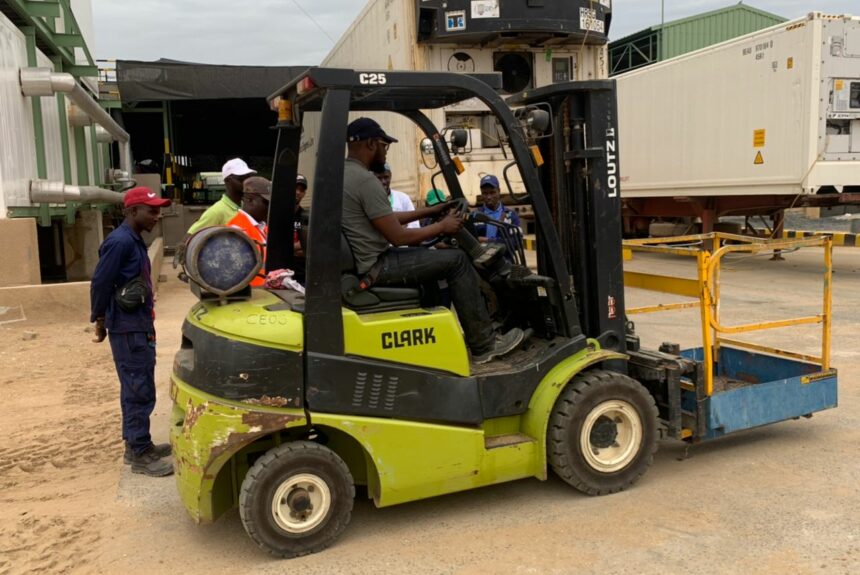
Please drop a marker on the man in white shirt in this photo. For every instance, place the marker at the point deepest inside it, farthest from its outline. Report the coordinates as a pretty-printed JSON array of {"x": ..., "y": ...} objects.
[{"x": 400, "y": 202}]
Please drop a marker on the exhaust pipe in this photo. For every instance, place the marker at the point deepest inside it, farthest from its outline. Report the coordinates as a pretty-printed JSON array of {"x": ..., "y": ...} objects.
[
  {"x": 46, "y": 192},
  {"x": 38, "y": 82}
]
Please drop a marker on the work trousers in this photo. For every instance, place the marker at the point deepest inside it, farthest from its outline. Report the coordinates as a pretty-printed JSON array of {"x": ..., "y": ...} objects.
[
  {"x": 134, "y": 357},
  {"x": 405, "y": 266}
]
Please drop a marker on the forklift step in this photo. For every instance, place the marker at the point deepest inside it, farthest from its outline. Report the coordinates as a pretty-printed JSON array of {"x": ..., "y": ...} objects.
[{"x": 495, "y": 441}]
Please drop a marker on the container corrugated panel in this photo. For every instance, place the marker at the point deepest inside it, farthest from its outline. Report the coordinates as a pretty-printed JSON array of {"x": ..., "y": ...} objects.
[
  {"x": 389, "y": 24},
  {"x": 697, "y": 32},
  {"x": 51, "y": 125},
  {"x": 751, "y": 116}
]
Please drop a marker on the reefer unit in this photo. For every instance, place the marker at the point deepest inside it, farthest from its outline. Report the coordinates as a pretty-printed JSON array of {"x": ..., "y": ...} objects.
[
  {"x": 775, "y": 112},
  {"x": 531, "y": 43}
]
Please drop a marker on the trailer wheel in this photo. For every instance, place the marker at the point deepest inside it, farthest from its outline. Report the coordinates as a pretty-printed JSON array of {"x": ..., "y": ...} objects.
[
  {"x": 296, "y": 499},
  {"x": 602, "y": 432}
]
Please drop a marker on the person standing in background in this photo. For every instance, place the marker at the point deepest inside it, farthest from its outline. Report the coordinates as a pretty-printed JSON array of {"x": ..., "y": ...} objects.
[
  {"x": 399, "y": 201},
  {"x": 123, "y": 310},
  {"x": 234, "y": 172}
]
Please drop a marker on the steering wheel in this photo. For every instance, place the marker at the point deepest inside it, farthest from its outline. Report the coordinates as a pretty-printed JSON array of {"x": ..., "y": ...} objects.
[
  {"x": 464, "y": 239},
  {"x": 460, "y": 207}
]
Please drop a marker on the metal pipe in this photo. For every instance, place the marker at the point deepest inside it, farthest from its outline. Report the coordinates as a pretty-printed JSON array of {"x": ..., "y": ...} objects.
[
  {"x": 77, "y": 118},
  {"x": 38, "y": 82},
  {"x": 47, "y": 192},
  {"x": 103, "y": 136}
]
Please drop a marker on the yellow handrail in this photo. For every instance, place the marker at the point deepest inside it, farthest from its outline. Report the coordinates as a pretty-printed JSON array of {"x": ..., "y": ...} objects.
[{"x": 709, "y": 268}]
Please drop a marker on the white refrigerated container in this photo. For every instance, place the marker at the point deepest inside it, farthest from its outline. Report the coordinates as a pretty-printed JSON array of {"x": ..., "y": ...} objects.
[
  {"x": 384, "y": 36},
  {"x": 773, "y": 112}
]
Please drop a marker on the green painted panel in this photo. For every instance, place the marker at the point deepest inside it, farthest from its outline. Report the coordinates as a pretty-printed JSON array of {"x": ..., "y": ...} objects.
[{"x": 83, "y": 172}]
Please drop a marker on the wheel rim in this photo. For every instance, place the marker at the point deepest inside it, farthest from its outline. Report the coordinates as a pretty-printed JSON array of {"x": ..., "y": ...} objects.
[
  {"x": 611, "y": 435},
  {"x": 301, "y": 503}
]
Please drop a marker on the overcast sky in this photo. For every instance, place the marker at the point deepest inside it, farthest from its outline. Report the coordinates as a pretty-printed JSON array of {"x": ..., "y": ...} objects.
[{"x": 276, "y": 32}]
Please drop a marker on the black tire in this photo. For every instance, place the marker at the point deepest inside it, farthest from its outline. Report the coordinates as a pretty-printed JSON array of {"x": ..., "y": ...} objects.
[
  {"x": 603, "y": 407},
  {"x": 303, "y": 472}
]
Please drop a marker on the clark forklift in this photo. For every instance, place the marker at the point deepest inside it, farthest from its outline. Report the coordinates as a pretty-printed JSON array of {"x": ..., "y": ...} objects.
[{"x": 284, "y": 403}]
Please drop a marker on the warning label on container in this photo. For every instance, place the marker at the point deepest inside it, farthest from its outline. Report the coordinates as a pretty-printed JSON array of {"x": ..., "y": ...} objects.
[
  {"x": 485, "y": 8},
  {"x": 588, "y": 20},
  {"x": 455, "y": 21},
  {"x": 759, "y": 160},
  {"x": 758, "y": 138}
]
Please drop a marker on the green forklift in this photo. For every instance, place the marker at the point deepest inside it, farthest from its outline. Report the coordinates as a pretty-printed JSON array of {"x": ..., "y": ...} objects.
[{"x": 285, "y": 402}]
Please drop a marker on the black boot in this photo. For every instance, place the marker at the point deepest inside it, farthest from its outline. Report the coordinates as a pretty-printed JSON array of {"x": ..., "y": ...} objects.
[
  {"x": 150, "y": 463},
  {"x": 160, "y": 449}
]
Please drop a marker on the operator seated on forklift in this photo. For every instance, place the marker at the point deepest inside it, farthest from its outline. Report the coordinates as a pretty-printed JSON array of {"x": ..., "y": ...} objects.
[
  {"x": 253, "y": 215},
  {"x": 372, "y": 227}
]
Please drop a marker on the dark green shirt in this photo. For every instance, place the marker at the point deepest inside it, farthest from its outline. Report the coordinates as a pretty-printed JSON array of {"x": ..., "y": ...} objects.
[{"x": 364, "y": 199}]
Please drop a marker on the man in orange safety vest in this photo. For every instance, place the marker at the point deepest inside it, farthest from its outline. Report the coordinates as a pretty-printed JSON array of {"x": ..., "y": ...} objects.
[{"x": 252, "y": 216}]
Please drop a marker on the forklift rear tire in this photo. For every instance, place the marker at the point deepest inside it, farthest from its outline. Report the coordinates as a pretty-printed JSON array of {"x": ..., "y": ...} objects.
[
  {"x": 296, "y": 499},
  {"x": 602, "y": 432}
]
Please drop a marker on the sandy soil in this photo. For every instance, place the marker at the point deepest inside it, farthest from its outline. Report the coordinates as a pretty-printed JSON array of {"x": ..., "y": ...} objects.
[{"x": 780, "y": 499}]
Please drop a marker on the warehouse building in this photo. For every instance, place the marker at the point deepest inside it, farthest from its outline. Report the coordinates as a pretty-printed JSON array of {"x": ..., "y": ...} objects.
[{"x": 670, "y": 39}]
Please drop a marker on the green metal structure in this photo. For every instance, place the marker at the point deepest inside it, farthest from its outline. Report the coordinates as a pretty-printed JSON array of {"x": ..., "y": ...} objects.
[
  {"x": 50, "y": 26},
  {"x": 672, "y": 39}
]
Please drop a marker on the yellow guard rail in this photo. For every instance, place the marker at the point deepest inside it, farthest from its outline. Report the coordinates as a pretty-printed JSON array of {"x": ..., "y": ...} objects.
[{"x": 709, "y": 250}]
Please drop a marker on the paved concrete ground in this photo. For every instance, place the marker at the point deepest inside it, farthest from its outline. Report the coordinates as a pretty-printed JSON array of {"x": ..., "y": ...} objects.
[{"x": 780, "y": 499}]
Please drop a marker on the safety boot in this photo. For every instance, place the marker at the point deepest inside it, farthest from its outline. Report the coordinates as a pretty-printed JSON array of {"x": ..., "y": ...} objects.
[
  {"x": 160, "y": 449},
  {"x": 149, "y": 463}
]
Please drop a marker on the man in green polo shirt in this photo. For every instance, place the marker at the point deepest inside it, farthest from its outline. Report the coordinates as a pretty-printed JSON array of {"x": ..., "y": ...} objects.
[{"x": 234, "y": 173}]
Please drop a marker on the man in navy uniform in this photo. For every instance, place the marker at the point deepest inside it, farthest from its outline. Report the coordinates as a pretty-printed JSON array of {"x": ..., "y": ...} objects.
[
  {"x": 494, "y": 208},
  {"x": 122, "y": 307}
]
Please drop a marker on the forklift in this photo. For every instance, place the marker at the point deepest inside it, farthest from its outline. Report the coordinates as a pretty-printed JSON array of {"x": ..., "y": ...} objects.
[{"x": 284, "y": 402}]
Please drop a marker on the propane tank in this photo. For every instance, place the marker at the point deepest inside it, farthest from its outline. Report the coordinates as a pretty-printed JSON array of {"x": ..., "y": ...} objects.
[{"x": 222, "y": 261}]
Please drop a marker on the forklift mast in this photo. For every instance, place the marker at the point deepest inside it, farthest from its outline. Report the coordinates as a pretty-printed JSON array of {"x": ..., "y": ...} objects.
[{"x": 582, "y": 184}]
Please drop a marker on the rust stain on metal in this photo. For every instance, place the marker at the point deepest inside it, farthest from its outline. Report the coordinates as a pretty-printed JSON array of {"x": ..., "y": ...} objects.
[
  {"x": 268, "y": 421},
  {"x": 192, "y": 414},
  {"x": 267, "y": 401},
  {"x": 261, "y": 423},
  {"x": 187, "y": 464}
]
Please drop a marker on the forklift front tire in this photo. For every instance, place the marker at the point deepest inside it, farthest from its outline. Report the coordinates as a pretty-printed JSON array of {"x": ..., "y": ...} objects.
[
  {"x": 296, "y": 499},
  {"x": 602, "y": 432}
]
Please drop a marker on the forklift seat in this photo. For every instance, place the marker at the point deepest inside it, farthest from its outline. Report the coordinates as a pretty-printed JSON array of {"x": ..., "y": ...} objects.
[{"x": 374, "y": 299}]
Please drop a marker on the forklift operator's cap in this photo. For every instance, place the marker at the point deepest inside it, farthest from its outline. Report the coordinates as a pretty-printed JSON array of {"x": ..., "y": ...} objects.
[
  {"x": 141, "y": 196},
  {"x": 366, "y": 129},
  {"x": 236, "y": 167},
  {"x": 489, "y": 180}
]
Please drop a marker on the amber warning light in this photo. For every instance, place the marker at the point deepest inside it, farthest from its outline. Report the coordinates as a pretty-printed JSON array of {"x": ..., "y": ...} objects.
[{"x": 305, "y": 85}]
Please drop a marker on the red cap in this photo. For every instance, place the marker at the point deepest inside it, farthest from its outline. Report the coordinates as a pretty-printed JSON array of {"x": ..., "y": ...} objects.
[{"x": 142, "y": 196}]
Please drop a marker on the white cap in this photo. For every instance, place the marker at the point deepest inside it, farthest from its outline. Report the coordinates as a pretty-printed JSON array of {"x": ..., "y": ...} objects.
[{"x": 236, "y": 167}]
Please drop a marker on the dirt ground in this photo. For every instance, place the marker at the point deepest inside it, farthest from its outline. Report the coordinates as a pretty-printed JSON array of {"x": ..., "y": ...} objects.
[{"x": 780, "y": 499}]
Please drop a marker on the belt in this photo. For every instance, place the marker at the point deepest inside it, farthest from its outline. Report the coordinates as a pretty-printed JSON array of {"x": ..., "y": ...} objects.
[{"x": 369, "y": 278}]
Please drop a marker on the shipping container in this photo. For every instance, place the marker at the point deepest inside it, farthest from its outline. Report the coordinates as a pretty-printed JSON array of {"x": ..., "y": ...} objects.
[
  {"x": 771, "y": 114},
  {"x": 531, "y": 45}
]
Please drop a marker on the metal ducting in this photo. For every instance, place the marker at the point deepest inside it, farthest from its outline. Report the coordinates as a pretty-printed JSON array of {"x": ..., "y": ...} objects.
[
  {"x": 47, "y": 192},
  {"x": 38, "y": 82},
  {"x": 103, "y": 136},
  {"x": 78, "y": 118}
]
